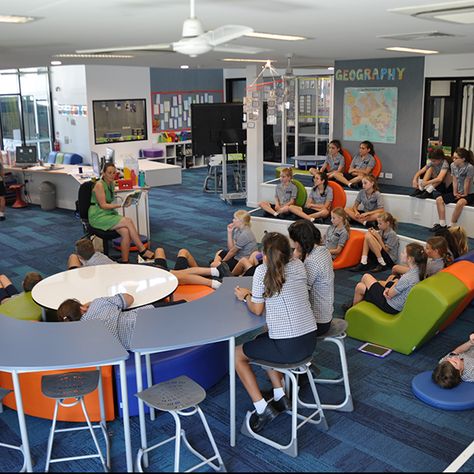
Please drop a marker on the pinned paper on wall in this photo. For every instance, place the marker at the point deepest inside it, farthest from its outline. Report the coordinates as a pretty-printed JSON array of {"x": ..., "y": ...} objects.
[{"x": 172, "y": 109}]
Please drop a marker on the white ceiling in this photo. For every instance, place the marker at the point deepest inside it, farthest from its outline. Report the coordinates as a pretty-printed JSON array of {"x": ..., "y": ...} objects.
[{"x": 339, "y": 29}]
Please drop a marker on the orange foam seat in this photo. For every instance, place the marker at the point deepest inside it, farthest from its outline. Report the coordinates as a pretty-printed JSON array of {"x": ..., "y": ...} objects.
[
  {"x": 378, "y": 167},
  {"x": 347, "y": 159},
  {"x": 463, "y": 270},
  {"x": 352, "y": 251},
  {"x": 191, "y": 292},
  {"x": 340, "y": 198},
  {"x": 36, "y": 404}
]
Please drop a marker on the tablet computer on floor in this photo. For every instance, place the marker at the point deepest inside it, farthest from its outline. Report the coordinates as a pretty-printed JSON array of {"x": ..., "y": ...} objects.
[{"x": 375, "y": 350}]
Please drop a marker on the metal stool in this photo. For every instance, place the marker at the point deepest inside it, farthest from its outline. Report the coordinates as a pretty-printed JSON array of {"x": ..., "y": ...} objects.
[
  {"x": 175, "y": 396},
  {"x": 74, "y": 385},
  {"x": 292, "y": 373},
  {"x": 336, "y": 335},
  {"x": 3, "y": 393}
]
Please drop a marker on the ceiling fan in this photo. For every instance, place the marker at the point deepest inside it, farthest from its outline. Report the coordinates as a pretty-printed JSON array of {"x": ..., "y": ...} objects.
[{"x": 194, "y": 40}]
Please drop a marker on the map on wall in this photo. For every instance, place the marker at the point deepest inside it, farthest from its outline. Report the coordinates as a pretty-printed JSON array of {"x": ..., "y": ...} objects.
[{"x": 370, "y": 113}]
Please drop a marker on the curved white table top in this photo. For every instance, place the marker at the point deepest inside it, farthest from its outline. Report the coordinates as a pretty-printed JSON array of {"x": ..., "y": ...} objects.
[{"x": 145, "y": 283}]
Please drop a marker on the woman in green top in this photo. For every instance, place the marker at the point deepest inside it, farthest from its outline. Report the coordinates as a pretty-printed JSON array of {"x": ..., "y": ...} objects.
[{"x": 103, "y": 215}]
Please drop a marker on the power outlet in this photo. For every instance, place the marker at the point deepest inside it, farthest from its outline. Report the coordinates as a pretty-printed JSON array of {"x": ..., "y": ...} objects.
[{"x": 388, "y": 175}]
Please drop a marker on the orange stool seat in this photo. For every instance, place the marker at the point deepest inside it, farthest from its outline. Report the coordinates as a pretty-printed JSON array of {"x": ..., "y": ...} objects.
[
  {"x": 191, "y": 292},
  {"x": 352, "y": 251},
  {"x": 19, "y": 203}
]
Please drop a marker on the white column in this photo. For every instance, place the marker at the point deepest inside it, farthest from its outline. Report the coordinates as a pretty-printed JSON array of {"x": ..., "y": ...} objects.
[{"x": 254, "y": 148}]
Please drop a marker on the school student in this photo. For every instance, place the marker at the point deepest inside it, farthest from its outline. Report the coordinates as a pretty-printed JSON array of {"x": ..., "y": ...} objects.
[
  {"x": 280, "y": 289},
  {"x": 285, "y": 195},
  {"x": 390, "y": 296},
  {"x": 334, "y": 162},
  {"x": 318, "y": 204},
  {"x": 361, "y": 165},
  {"x": 306, "y": 240},
  {"x": 457, "y": 366},
  {"x": 337, "y": 233},
  {"x": 434, "y": 176},
  {"x": 462, "y": 170},
  {"x": 381, "y": 247},
  {"x": 368, "y": 204}
]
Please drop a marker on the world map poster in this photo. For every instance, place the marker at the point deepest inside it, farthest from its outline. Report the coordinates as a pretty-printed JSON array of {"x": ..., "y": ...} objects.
[{"x": 370, "y": 113}]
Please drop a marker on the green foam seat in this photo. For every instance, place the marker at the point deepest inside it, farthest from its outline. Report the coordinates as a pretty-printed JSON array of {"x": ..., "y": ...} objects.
[
  {"x": 21, "y": 307},
  {"x": 295, "y": 171},
  {"x": 429, "y": 304},
  {"x": 302, "y": 195}
]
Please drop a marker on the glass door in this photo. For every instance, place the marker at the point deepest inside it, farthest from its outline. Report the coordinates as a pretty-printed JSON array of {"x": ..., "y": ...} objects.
[{"x": 10, "y": 112}]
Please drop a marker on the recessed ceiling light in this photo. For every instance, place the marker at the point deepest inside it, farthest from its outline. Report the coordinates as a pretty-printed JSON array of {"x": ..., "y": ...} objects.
[
  {"x": 243, "y": 60},
  {"x": 411, "y": 50},
  {"x": 56, "y": 63},
  {"x": 330, "y": 68},
  {"x": 16, "y": 19},
  {"x": 184, "y": 66},
  {"x": 255, "y": 34},
  {"x": 100, "y": 56}
]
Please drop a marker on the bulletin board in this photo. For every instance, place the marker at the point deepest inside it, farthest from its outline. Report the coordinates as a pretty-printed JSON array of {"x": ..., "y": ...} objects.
[{"x": 171, "y": 110}]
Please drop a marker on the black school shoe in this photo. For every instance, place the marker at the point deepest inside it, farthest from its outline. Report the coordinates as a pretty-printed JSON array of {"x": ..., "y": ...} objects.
[
  {"x": 258, "y": 422},
  {"x": 371, "y": 224},
  {"x": 437, "y": 227},
  {"x": 361, "y": 267},
  {"x": 281, "y": 405},
  {"x": 224, "y": 270},
  {"x": 425, "y": 195},
  {"x": 379, "y": 268},
  {"x": 416, "y": 193}
]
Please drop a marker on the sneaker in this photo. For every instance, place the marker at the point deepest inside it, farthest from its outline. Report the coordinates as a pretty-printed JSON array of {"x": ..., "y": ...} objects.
[
  {"x": 362, "y": 267},
  {"x": 437, "y": 227},
  {"x": 416, "y": 193},
  {"x": 371, "y": 224},
  {"x": 258, "y": 422},
  {"x": 379, "y": 268},
  {"x": 224, "y": 270}
]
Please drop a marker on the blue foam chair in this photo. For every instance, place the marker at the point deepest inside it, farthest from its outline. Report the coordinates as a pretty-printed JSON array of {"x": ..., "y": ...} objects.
[
  {"x": 453, "y": 399},
  {"x": 66, "y": 158}
]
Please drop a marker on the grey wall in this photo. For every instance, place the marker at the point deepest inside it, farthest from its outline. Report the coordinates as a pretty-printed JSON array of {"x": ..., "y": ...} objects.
[
  {"x": 186, "y": 79},
  {"x": 402, "y": 158}
]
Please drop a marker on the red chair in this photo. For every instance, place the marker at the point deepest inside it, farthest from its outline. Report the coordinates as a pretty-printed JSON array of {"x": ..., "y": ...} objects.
[
  {"x": 378, "y": 167},
  {"x": 340, "y": 198}
]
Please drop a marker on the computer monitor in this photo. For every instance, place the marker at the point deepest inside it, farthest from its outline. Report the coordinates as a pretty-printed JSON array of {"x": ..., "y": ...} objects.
[
  {"x": 26, "y": 156},
  {"x": 95, "y": 162},
  {"x": 109, "y": 155}
]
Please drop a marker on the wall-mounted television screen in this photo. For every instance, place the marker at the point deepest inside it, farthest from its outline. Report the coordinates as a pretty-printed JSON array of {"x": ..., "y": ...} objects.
[{"x": 121, "y": 120}]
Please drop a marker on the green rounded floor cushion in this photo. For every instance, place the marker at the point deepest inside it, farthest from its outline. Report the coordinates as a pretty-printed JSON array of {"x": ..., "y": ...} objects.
[
  {"x": 21, "y": 307},
  {"x": 295, "y": 171},
  {"x": 302, "y": 194},
  {"x": 429, "y": 304}
]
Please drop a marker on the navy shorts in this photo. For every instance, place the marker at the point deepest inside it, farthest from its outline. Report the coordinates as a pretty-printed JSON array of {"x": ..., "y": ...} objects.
[
  {"x": 181, "y": 263},
  {"x": 2, "y": 189},
  {"x": 375, "y": 296},
  {"x": 450, "y": 197},
  {"x": 7, "y": 292},
  {"x": 281, "y": 351}
]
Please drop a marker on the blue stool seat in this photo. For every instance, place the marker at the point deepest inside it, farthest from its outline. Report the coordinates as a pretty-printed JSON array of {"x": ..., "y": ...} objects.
[{"x": 453, "y": 399}]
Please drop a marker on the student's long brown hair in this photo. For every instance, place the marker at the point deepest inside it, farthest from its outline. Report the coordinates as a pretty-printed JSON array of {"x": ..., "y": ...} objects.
[
  {"x": 417, "y": 252},
  {"x": 277, "y": 250}
]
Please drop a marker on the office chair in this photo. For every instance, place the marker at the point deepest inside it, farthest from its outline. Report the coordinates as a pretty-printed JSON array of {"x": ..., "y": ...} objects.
[{"x": 82, "y": 204}]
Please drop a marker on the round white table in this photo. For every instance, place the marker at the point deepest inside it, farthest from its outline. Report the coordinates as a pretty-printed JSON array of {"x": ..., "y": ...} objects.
[{"x": 145, "y": 283}]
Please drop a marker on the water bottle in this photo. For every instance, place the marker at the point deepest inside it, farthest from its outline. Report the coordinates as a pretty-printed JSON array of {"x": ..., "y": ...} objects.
[{"x": 141, "y": 179}]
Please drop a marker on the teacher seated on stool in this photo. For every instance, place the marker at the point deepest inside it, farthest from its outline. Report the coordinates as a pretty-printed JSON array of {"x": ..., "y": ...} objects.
[
  {"x": 280, "y": 287},
  {"x": 110, "y": 310},
  {"x": 103, "y": 215}
]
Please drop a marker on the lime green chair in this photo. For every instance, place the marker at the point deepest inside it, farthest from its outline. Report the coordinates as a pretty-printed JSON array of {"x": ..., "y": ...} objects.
[
  {"x": 302, "y": 195},
  {"x": 21, "y": 307},
  {"x": 429, "y": 303},
  {"x": 295, "y": 171}
]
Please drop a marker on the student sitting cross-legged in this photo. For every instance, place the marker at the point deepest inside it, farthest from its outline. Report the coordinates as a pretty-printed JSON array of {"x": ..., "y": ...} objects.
[
  {"x": 285, "y": 195},
  {"x": 368, "y": 204},
  {"x": 280, "y": 287}
]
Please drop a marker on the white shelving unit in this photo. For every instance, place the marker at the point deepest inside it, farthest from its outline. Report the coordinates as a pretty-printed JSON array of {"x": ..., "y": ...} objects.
[{"x": 179, "y": 153}]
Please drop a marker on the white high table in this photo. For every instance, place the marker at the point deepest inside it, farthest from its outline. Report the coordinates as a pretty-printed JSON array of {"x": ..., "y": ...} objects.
[
  {"x": 217, "y": 317},
  {"x": 26, "y": 347},
  {"x": 145, "y": 283}
]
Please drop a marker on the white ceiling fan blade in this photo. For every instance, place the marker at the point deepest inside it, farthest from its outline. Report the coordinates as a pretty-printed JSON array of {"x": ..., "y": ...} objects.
[
  {"x": 146, "y": 47},
  {"x": 238, "y": 49},
  {"x": 226, "y": 33}
]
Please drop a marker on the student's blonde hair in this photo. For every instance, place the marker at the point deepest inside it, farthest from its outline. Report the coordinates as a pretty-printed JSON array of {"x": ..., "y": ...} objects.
[
  {"x": 243, "y": 216},
  {"x": 287, "y": 171},
  {"x": 339, "y": 211},
  {"x": 387, "y": 217}
]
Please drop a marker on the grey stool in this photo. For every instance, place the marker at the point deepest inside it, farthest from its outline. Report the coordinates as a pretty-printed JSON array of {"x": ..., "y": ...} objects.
[
  {"x": 180, "y": 397},
  {"x": 292, "y": 373},
  {"x": 74, "y": 385},
  {"x": 336, "y": 335},
  {"x": 3, "y": 393}
]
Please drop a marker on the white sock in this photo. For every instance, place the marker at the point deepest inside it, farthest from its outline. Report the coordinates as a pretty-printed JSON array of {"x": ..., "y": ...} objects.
[
  {"x": 312, "y": 219},
  {"x": 278, "y": 393},
  {"x": 349, "y": 184},
  {"x": 260, "y": 406},
  {"x": 215, "y": 284},
  {"x": 2, "y": 214},
  {"x": 363, "y": 260},
  {"x": 453, "y": 224},
  {"x": 275, "y": 214},
  {"x": 429, "y": 188},
  {"x": 381, "y": 261},
  {"x": 364, "y": 223},
  {"x": 214, "y": 272},
  {"x": 442, "y": 223}
]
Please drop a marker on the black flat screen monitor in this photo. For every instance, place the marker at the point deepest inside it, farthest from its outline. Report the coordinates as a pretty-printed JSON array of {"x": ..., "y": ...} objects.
[
  {"x": 26, "y": 156},
  {"x": 215, "y": 124},
  {"x": 95, "y": 162}
]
